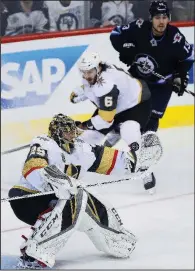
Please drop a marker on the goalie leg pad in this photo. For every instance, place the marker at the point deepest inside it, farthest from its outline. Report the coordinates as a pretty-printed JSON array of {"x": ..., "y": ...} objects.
[
  {"x": 106, "y": 232},
  {"x": 52, "y": 234}
]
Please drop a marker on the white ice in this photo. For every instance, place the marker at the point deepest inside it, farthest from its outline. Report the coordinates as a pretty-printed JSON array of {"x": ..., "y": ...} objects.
[{"x": 163, "y": 222}]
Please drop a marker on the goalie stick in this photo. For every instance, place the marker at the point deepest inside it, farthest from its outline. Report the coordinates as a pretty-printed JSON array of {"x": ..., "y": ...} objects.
[
  {"x": 16, "y": 149},
  {"x": 133, "y": 176}
]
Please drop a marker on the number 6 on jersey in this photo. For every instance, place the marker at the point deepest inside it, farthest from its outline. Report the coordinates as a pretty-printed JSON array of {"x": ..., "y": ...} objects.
[{"x": 108, "y": 101}]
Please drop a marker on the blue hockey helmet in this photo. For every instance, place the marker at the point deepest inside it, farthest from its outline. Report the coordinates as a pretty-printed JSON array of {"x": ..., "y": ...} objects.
[{"x": 159, "y": 7}]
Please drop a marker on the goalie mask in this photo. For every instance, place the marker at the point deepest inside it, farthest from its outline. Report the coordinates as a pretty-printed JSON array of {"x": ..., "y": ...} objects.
[{"x": 64, "y": 131}]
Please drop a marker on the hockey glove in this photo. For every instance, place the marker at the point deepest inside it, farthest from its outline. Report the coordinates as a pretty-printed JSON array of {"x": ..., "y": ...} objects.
[
  {"x": 180, "y": 83},
  {"x": 87, "y": 125},
  {"x": 77, "y": 122},
  {"x": 72, "y": 97},
  {"x": 126, "y": 59},
  {"x": 63, "y": 185},
  {"x": 78, "y": 97}
]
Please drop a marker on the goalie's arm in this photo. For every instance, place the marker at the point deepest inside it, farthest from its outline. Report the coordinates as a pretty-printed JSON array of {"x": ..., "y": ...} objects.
[{"x": 37, "y": 159}]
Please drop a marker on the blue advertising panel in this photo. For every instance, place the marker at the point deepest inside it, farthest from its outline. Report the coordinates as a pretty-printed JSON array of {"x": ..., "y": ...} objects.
[{"x": 29, "y": 78}]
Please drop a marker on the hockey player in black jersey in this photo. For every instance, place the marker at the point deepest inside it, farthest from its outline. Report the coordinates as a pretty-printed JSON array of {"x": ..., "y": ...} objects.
[{"x": 155, "y": 45}]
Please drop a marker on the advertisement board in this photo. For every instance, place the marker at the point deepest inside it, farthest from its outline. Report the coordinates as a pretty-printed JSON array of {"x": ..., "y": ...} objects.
[{"x": 37, "y": 77}]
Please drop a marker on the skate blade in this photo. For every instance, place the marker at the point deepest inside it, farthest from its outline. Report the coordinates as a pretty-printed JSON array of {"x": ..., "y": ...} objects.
[{"x": 151, "y": 191}]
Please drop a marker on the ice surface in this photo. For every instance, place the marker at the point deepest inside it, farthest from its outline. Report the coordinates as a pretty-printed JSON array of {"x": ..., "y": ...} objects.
[{"x": 163, "y": 222}]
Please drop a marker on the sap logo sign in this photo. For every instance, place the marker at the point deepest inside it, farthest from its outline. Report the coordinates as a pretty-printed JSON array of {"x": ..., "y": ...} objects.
[{"x": 29, "y": 78}]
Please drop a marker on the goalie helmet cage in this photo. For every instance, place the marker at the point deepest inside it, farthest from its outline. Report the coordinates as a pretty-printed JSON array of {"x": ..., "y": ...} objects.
[{"x": 79, "y": 32}]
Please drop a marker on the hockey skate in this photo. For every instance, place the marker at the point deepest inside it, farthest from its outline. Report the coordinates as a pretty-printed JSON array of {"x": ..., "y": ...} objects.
[
  {"x": 149, "y": 183},
  {"x": 27, "y": 262}
]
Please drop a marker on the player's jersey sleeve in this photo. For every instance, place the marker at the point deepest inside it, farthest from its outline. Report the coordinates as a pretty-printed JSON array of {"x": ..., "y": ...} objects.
[
  {"x": 92, "y": 158},
  {"x": 123, "y": 37},
  {"x": 105, "y": 159},
  {"x": 80, "y": 160},
  {"x": 108, "y": 98},
  {"x": 184, "y": 52},
  {"x": 37, "y": 158},
  {"x": 86, "y": 156}
]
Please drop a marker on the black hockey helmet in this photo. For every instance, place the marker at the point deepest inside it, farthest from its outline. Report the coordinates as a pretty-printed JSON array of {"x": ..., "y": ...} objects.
[
  {"x": 159, "y": 7},
  {"x": 61, "y": 125}
]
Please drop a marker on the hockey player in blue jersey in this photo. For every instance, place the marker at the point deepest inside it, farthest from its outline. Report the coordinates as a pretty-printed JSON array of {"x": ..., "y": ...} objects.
[{"x": 158, "y": 46}]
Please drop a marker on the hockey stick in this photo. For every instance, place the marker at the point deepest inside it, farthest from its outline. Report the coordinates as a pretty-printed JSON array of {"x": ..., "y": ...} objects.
[
  {"x": 161, "y": 76},
  {"x": 133, "y": 176},
  {"x": 16, "y": 149}
]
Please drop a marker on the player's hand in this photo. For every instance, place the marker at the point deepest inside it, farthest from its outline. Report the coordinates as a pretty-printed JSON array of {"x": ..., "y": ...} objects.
[
  {"x": 77, "y": 122},
  {"x": 63, "y": 185},
  {"x": 72, "y": 97},
  {"x": 82, "y": 127},
  {"x": 180, "y": 83}
]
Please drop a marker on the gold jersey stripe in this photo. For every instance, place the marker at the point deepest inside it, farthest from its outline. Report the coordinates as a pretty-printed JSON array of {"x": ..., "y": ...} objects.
[
  {"x": 72, "y": 171},
  {"x": 106, "y": 161},
  {"x": 107, "y": 115},
  {"x": 94, "y": 210},
  {"x": 69, "y": 170},
  {"x": 32, "y": 164},
  {"x": 26, "y": 189},
  {"x": 73, "y": 206}
]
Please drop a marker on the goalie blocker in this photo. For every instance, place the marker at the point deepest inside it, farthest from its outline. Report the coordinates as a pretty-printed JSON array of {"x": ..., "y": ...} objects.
[{"x": 54, "y": 220}]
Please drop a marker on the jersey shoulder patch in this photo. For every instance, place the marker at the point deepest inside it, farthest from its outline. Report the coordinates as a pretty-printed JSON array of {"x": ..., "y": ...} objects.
[
  {"x": 43, "y": 140},
  {"x": 175, "y": 36},
  {"x": 139, "y": 22},
  {"x": 104, "y": 84}
]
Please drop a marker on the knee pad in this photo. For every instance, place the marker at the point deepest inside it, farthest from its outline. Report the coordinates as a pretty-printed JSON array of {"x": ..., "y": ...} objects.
[{"x": 130, "y": 132}]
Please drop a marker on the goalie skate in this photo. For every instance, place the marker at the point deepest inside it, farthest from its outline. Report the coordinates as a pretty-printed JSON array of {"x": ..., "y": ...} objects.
[
  {"x": 149, "y": 183},
  {"x": 27, "y": 262}
]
